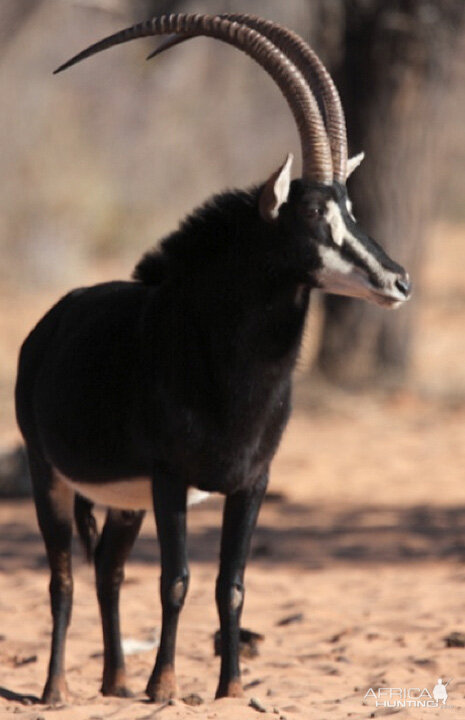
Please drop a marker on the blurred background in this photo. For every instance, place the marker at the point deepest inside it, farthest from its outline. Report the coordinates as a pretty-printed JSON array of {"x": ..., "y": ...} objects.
[{"x": 98, "y": 163}]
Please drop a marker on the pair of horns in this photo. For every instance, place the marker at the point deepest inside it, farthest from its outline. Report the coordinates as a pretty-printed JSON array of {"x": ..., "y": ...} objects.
[{"x": 292, "y": 64}]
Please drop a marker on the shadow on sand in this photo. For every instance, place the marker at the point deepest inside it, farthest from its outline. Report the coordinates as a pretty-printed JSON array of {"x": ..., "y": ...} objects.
[
  {"x": 306, "y": 535},
  {"x": 18, "y": 697}
]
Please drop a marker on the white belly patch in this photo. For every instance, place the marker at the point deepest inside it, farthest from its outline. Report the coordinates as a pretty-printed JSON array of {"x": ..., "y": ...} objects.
[{"x": 126, "y": 494}]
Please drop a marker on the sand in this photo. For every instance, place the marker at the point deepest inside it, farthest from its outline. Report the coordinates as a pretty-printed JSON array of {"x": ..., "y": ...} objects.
[{"x": 370, "y": 562}]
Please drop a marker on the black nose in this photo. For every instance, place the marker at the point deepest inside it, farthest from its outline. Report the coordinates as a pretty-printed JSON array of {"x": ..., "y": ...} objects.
[{"x": 404, "y": 284}]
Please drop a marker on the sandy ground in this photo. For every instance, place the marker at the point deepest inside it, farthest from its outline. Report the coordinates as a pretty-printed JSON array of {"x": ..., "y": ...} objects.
[
  {"x": 362, "y": 537},
  {"x": 377, "y": 575}
]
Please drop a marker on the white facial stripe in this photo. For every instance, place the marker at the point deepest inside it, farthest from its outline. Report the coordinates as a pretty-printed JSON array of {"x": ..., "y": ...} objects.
[
  {"x": 333, "y": 262},
  {"x": 341, "y": 233},
  {"x": 335, "y": 222},
  {"x": 341, "y": 276},
  {"x": 338, "y": 276}
]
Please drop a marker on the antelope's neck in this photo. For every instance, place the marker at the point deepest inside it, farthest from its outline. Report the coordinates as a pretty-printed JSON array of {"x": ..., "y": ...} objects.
[{"x": 256, "y": 339}]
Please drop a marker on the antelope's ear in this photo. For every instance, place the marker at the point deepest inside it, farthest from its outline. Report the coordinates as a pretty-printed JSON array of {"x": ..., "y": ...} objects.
[
  {"x": 276, "y": 190},
  {"x": 353, "y": 163}
]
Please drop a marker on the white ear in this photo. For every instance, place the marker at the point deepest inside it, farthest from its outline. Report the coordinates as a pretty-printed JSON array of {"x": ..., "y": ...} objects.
[
  {"x": 353, "y": 163},
  {"x": 276, "y": 190}
]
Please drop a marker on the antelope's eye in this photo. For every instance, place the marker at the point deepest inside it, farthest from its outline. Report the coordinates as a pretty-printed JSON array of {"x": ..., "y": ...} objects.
[{"x": 315, "y": 212}]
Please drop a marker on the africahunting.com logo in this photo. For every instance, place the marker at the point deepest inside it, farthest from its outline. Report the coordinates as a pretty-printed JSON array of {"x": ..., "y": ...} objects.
[{"x": 413, "y": 697}]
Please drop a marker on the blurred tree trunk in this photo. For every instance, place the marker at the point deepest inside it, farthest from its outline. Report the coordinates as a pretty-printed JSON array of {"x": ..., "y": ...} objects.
[{"x": 394, "y": 77}]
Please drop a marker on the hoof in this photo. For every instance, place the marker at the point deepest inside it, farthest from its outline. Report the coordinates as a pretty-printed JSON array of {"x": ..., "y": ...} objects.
[
  {"x": 162, "y": 686},
  {"x": 232, "y": 689},
  {"x": 55, "y": 692},
  {"x": 114, "y": 684}
]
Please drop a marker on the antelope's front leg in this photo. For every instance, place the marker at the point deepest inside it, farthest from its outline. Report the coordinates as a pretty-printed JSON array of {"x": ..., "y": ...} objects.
[
  {"x": 239, "y": 519},
  {"x": 169, "y": 499}
]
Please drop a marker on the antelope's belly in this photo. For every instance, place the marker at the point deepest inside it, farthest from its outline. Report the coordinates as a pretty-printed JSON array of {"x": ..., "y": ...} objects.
[{"x": 126, "y": 494}]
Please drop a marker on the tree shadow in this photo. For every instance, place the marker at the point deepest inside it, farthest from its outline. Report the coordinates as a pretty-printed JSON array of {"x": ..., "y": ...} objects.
[
  {"x": 309, "y": 535},
  {"x": 321, "y": 534}
]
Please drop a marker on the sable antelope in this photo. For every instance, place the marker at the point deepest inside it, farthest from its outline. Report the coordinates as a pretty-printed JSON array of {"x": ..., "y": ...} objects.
[{"x": 135, "y": 394}]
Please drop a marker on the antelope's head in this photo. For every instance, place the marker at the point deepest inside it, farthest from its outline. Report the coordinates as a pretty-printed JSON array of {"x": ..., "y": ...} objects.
[{"x": 336, "y": 255}]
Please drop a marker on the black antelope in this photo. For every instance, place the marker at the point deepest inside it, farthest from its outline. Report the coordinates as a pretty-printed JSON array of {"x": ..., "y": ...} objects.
[{"x": 150, "y": 392}]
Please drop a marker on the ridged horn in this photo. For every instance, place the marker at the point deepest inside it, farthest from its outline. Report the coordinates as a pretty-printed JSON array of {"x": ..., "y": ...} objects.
[
  {"x": 309, "y": 64},
  {"x": 316, "y": 151},
  {"x": 307, "y": 61}
]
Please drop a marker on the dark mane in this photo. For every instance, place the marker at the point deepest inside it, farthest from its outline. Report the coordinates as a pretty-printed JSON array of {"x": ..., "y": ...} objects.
[{"x": 209, "y": 230}]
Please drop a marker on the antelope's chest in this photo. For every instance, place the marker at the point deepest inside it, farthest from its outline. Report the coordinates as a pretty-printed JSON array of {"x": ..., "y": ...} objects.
[{"x": 229, "y": 459}]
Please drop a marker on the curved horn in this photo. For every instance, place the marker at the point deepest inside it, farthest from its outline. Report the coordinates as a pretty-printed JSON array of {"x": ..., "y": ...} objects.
[
  {"x": 316, "y": 151},
  {"x": 314, "y": 72},
  {"x": 307, "y": 61},
  {"x": 309, "y": 64}
]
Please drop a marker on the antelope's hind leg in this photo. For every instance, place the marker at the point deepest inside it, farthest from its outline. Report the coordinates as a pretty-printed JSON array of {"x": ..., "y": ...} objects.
[
  {"x": 118, "y": 536},
  {"x": 54, "y": 507}
]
